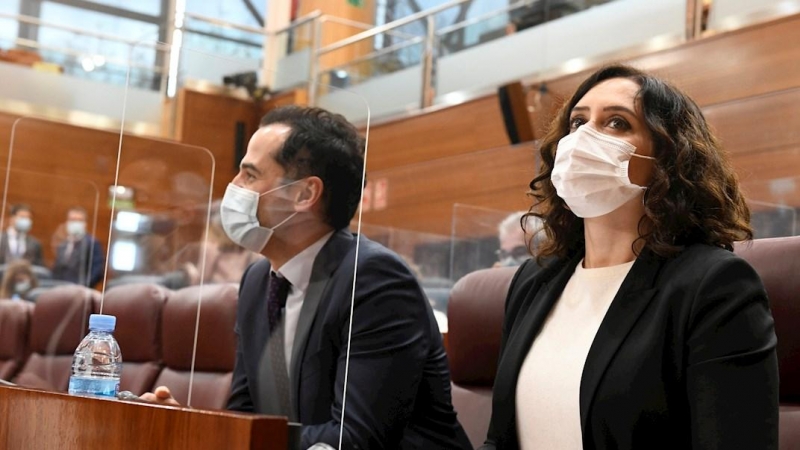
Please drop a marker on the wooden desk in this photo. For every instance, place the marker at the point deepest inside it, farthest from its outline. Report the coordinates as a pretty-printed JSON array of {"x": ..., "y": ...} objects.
[{"x": 32, "y": 419}]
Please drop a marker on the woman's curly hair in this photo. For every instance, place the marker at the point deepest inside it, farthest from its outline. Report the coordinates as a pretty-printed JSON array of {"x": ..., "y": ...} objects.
[{"x": 693, "y": 196}]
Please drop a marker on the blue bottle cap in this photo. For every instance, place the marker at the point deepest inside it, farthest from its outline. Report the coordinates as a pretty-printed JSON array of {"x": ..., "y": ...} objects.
[{"x": 102, "y": 322}]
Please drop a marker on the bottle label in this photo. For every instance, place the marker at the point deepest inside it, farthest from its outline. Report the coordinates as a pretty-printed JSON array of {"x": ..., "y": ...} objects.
[{"x": 94, "y": 387}]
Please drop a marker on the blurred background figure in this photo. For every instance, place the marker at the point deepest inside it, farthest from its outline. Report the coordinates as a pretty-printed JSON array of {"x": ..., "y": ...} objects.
[
  {"x": 514, "y": 239},
  {"x": 225, "y": 261},
  {"x": 18, "y": 280},
  {"x": 79, "y": 257},
  {"x": 16, "y": 243}
]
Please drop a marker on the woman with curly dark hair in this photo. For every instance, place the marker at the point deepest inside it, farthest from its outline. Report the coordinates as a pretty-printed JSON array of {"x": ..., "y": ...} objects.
[{"x": 645, "y": 331}]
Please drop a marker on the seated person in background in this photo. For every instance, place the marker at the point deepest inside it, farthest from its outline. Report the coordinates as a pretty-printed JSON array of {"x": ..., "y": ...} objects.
[
  {"x": 297, "y": 190},
  {"x": 225, "y": 261},
  {"x": 16, "y": 242},
  {"x": 79, "y": 258},
  {"x": 647, "y": 331},
  {"x": 18, "y": 280},
  {"x": 518, "y": 243}
]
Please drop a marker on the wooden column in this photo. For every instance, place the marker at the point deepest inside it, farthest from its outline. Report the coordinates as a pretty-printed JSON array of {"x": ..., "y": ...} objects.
[{"x": 333, "y": 31}]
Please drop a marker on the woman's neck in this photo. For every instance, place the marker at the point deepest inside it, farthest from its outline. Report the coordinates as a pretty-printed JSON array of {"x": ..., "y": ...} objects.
[{"x": 609, "y": 239}]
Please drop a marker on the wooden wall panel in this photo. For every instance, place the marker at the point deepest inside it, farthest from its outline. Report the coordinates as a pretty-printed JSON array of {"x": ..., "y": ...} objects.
[
  {"x": 760, "y": 170},
  {"x": 209, "y": 121},
  {"x": 421, "y": 196},
  {"x": 743, "y": 63},
  {"x": 757, "y": 123},
  {"x": 333, "y": 32},
  {"x": 472, "y": 126},
  {"x": 294, "y": 97}
]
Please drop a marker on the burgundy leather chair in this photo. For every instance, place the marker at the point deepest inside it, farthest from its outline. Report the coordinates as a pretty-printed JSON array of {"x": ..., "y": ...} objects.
[
  {"x": 216, "y": 344},
  {"x": 59, "y": 322},
  {"x": 15, "y": 324},
  {"x": 475, "y": 323},
  {"x": 138, "y": 309},
  {"x": 777, "y": 262}
]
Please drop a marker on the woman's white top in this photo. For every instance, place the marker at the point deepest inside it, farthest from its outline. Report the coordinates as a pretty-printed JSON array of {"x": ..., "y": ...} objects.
[{"x": 548, "y": 388}]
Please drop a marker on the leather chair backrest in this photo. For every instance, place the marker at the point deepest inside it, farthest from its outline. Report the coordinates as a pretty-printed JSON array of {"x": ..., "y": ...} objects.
[
  {"x": 15, "y": 324},
  {"x": 58, "y": 324},
  {"x": 777, "y": 262},
  {"x": 138, "y": 309},
  {"x": 475, "y": 322},
  {"x": 216, "y": 344}
]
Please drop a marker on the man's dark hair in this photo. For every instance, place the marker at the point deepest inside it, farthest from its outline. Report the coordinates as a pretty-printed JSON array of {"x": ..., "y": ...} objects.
[
  {"x": 325, "y": 145},
  {"x": 20, "y": 207},
  {"x": 80, "y": 210}
]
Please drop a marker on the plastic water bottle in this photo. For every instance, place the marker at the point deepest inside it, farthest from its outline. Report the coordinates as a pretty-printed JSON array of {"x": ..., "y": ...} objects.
[{"x": 97, "y": 364}]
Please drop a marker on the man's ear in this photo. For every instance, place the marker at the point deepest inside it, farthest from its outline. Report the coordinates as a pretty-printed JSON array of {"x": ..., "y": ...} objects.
[{"x": 310, "y": 195}]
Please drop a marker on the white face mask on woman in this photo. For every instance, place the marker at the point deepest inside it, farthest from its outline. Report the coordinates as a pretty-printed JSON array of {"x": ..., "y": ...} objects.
[
  {"x": 591, "y": 172},
  {"x": 239, "y": 217}
]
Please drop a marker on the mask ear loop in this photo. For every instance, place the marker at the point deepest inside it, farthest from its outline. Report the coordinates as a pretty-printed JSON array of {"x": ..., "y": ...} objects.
[{"x": 646, "y": 189}]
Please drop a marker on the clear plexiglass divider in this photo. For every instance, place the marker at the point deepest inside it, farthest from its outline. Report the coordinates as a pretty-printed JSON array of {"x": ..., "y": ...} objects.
[
  {"x": 428, "y": 257},
  {"x": 202, "y": 267},
  {"x": 483, "y": 238},
  {"x": 52, "y": 213},
  {"x": 773, "y": 206}
]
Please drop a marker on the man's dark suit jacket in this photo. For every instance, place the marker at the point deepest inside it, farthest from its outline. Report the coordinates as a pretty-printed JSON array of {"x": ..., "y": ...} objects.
[
  {"x": 33, "y": 250},
  {"x": 398, "y": 390},
  {"x": 684, "y": 358},
  {"x": 84, "y": 265}
]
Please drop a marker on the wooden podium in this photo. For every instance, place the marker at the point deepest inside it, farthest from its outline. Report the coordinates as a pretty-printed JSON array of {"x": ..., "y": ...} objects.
[{"x": 32, "y": 419}]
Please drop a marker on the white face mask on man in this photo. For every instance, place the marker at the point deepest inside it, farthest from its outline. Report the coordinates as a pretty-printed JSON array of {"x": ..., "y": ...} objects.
[
  {"x": 76, "y": 228},
  {"x": 590, "y": 172},
  {"x": 239, "y": 217},
  {"x": 23, "y": 224}
]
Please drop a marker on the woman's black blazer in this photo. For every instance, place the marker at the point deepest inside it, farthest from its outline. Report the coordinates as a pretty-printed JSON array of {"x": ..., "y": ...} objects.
[{"x": 684, "y": 358}]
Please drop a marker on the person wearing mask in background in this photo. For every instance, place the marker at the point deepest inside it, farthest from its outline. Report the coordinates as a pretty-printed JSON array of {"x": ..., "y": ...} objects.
[
  {"x": 225, "y": 261},
  {"x": 647, "y": 331},
  {"x": 18, "y": 281},
  {"x": 79, "y": 258},
  {"x": 16, "y": 241},
  {"x": 298, "y": 188},
  {"x": 519, "y": 235}
]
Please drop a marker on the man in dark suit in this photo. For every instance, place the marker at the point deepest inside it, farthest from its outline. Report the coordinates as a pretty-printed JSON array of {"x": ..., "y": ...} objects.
[
  {"x": 298, "y": 188},
  {"x": 79, "y": 258},
  {"x": 16, "y": 242}
]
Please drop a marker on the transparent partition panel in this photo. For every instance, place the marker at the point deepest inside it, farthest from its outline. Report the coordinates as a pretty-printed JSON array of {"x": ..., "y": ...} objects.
[
  {"x": 465, "y": 197},
  {"x": 54, "y": 184},
  {"x": 768, "y": 163},
  {"x": 292, "y": 50},
  {"x": 391, "y": 78},
  {"x": 161, "y": 208},
  {"x": 35, "y": 224},
  {"x": 428, "y": 257},
  {"x": 774, "y": 206},
  {"x": 208, "y": 41},
  {"x": 485, "y": 238}
]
